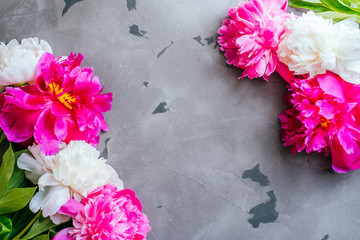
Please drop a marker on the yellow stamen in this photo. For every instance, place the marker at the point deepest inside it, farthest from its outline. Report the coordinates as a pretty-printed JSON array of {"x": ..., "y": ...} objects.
[
  {"x": 55, "y": 88},
  {"x": 325, "y": 122},
  {"x": 66, "y": 98}
]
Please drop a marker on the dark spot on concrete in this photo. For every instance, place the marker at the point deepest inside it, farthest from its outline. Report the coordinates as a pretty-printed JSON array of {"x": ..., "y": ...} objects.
[
  {"x": 209, "y": 40},
  {"x": 326, "y": 237},
  {"x": 255, "y": 175},
  {"x": 198, "y": 39},
  {"x": 330, "y": 170},
  {"x": 131, "y": 4},
  {"x": 135, "y": 30},
  {"x": 159, "y": 207},
  {"x": 105, "y": 152},
  {"x": 146, "y": 84},
  {"x": 264, "y": 212},
  {"x": 164, "y": 50},
  {"x": 160, "y": 108},
  {"x": 68, "y": 4}
]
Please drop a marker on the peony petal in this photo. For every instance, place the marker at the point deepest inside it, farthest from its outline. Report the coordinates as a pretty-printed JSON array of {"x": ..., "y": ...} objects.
[
  {"x": 74, "y": 132},
  {"x": 45, "y": 46},
  {"x": 284, "y": 72},
  {"x": 60, "y": 128},
  {"x": 47, "y": 180},
  {"x": 282, "y": 4},
  {"x": 60, "y": 110},
  {"x": 42, "y": 67},
  {"x": 343, "y": 162},
  {"x": 18, "y": 124},
  {"x": 59, "y": 218},
  {"x": 34, "y": 170},
  {"x": 44, "y": 133},
  {"x": 86, "y": 85},
  {"x": 327, "y": 109},
  {"x": 50, "y": 200},
  {"x": 71, "y": 208},
  {"x": 104, "y": 125},
  {"x": 19, "y": 68},
  {"x": 63, "y": 235},
  {"x": 259, "y": 69},
  {"x": 102, "y": 103},
  {"x": 27, "y": 97},
  {"x": 353, "y": 93},
  {"x": 331, "y": 84},
  {"x": 114, "y": 179}
]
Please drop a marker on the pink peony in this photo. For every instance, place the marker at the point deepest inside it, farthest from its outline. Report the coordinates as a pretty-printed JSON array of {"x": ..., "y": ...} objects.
[
  {"x": 323, "y": 116},
  {"x": 105, "y": 214},
  {"x": 64, "y": 105},
  {"x": 250, "y": 37}
]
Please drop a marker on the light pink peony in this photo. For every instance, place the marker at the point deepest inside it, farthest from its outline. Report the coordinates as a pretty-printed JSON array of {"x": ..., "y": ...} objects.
[
  {"x": 105, "y": 214},
  {"x": 250, "y": 37},
  {"x": 64, "y": 105},
  {"x": 324, "y": 116}
]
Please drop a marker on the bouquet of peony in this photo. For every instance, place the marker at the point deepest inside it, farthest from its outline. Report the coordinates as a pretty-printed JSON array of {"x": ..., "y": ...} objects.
[
  {"x": 59, "y": 187},
  {"x": 318, "y": 54}
]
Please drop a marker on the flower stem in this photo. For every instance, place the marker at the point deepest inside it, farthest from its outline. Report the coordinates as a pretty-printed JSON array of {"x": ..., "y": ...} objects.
[{"x": 17, "y": 237}]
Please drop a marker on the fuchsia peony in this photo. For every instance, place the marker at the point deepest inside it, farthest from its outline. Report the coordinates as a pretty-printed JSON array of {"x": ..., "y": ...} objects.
[
  {"x": 105, "y": 214},
  {"x": 324, "y": 116},
  {"x": 64, "y": 105},
  {"x": 250, "y": 37}
]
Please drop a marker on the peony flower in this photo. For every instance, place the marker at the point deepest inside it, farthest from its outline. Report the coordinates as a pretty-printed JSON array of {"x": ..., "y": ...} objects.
[
  {"x": 18, "y": 61},
  {"x": 250, "y": 37},
  {"x": 105, "y": 214},
  {"x": 64, "y": 105},
  {"x": 312, "y": 45},
  {"x": 323, "y": 116},
  {"x": 73, "y": 172}
]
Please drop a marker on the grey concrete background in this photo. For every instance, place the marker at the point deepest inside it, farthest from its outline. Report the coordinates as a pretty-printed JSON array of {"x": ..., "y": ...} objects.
[{"x": 184, "y": 131}]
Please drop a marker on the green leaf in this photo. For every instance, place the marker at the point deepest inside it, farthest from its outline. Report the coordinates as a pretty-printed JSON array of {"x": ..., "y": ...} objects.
[
  {"x": 313, "y": 1},
  {"x": 2, "y": 137},
  {"x": 6, "y": 169},
  {"x": 314, "y": 6},
  {"x": 16, "y": 199},
  {"x": 18, "y": 179},
  {"x": 338, "y": 6},
  {"x": 42, "y": 237},
  {"x": 20, "y": 220},
  {"x": 336, "y": 16},
  {"x": 335, "y": 9},
  {"x": 5, "y": 226},
  {"x": 52, "y": 233},
  {"x": 351, "y": 2},
  {"x": 41, "y": 225}
]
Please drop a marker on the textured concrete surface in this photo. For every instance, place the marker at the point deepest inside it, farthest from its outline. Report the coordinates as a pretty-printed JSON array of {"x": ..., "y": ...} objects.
[{"x": 201, "y": 148}]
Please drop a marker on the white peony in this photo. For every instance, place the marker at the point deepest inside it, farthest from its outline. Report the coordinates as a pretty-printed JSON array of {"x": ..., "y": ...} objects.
[
  {"x": 73, "y": 172},
  {"x": 312, "y": 45},
  {"x": 18, "y": 61},
  {"x": 347, "y": 50}
]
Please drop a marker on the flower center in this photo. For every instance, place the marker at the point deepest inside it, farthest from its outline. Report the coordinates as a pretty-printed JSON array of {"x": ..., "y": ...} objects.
[
  {"x": 65, "y": 98},
  {"x": 325, "y": 122}
]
